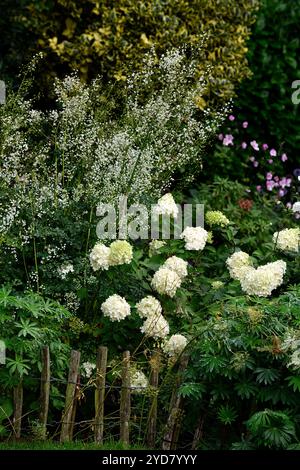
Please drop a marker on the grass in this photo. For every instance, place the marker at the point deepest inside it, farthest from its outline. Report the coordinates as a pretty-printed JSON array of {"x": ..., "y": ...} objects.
[{"x": 50, "y": 445}]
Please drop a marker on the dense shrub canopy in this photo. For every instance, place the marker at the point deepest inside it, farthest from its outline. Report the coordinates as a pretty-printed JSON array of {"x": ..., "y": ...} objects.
[{"x": 111, "y": 37}]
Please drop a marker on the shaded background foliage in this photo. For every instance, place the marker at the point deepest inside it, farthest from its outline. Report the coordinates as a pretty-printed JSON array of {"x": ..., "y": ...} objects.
[{"x": 274, "y": 57}]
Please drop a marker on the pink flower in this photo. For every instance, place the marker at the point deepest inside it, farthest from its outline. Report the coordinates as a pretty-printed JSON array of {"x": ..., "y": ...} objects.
[
  {"x": 270, "y": 185},
  {"x": 258, "y": 188},
  {"x": 269, "y": 175},
  {"x": 284, "y": 157},
  {"x": 228, "y": 140},
  {"x": 231, "y": 117},
  {"x": 255, "y": 164},
  {"x": 276, "y": 178},
  {"x": 265, "y": 147},
  {"x": 273, "y": 153},
  {"x": 281, "y": 193},
  {"x": 254, "y": 145},
  {"x": 270, "y": 161},
  {"x": 220, "y": 137},
  {"x": 297, "y": 216},
  {"x": 289, "y": 205},
  {"x": 245, "y": 124},
  {"x": 244, "y": 145}
]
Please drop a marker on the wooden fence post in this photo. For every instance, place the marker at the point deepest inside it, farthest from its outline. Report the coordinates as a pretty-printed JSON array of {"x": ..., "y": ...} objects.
[
  {"x": 100, "y": 393},
  {"x": 45, "y": 390},
  {"x": 125, "y": 405},
  {"x": 18, "y": 406},
  {"x": 66, "y": 428},
  {"x": 151, "y": 433},
  {"x": 173, "y": 424}
]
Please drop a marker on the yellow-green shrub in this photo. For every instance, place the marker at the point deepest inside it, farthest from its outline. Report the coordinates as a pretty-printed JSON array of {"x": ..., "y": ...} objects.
[{"x": 111, "y": 36}]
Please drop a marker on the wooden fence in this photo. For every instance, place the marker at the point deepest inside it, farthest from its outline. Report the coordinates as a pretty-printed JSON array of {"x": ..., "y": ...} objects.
[{"x": 167, "y": 440}]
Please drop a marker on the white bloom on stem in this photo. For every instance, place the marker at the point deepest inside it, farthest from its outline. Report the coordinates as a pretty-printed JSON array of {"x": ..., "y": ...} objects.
[
  {"x": 154, "y": 246},
  {"x": 166, "y": 282},
  {"x": 99, "y": 257},
  {"x": 175, "y": 345},
  {"x": 296, "y": 206},
  {"x": 149, "y": 306},
  {"x": 178, "y": 265},
  {"x": 138, "y": 381},
  {"x": 88, "y": 368},
  {"x": 287, "y": 239},
  {"x": 195, "y": 238},
  {"x": 236, "y": 264},
  {"x": 155, "y": 326},
  {"x": 116, "y": 308},
  {"x": 166, "y": 206},
  {"x": 263, "y": 280},
  {"x": 120, "y": 253}
]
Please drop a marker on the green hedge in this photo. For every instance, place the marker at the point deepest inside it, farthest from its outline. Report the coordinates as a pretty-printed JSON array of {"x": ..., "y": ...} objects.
[{"x": 111, "y": 36}]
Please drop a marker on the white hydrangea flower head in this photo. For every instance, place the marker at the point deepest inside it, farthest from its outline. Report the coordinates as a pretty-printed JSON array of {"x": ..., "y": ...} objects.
[
  {"x": 263, "y": 280},
  {"x": 149, "y": 306},
  {"x": 138, "y": 381},
  {"x": 178, "y": 265},
  {"x": 216, "y": 218},
  {"x": 296, "y": 206},
  {"x": 155, "y": 326},
  {"x": 166, "y": 282},
  {"x": 155, "y": 245},
  {"x": 115, "y": 308},
  {"x": 99, "y": 257},
  {"x": 287, "y": 239},
  {"x": 166, "y": 206},
  {"x": 88, "y": 368},
  {"x": 195, "y": 238},
  {"x": 120, "y": 253},
  {"x": 175, "y": 345},
  {"x": 237, "y": 263}
]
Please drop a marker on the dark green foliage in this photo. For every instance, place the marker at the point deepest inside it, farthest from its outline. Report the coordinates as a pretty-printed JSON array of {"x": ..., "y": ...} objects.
[{"x": 274, "y": 57}]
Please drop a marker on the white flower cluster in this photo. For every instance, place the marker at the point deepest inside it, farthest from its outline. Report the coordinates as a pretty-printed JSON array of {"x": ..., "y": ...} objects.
[
  {"x": 65, "y": 269},
  {"x": 102, "y": 257},
  {"x": 195, "y": 238},
  {"x": 138, "y": 381},
  {"x": 88, "y": 368},
  {"x": 178, "y": 265},
  {"x": 149, "y": 306},
  {"x": 168, "y": 278},
  {"x": 216, "y": 218},
  {"x": 166, "y": 282},
  {"x": 259, "y": 281},
  {"x": 237, "y": 263},
  {"x": 166, "y": 206},
  {"x": 175, "y": 345},
  {"x": 155, "y": 245},
  {"x": 116, "y": 308},
  {"x": 287, "y": 239},
  {"x": 155, "y": 325},
  {"x": 296, "y": 207}
]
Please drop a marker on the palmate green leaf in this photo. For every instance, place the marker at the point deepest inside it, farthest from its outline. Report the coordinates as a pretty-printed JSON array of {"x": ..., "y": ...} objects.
[
  {"x": 227, "y": 414},
  {"x": 194, "y": 390},
  {"x": 5, "y": 297},
  {"x": 266, "y": 376},
  {"x": 279, "y": 436},
  {"x": 294, "y": 382},
  {"x": 245, "y": 389},
  {"x": 28, "y": 329}
]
